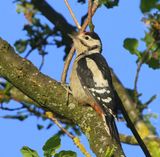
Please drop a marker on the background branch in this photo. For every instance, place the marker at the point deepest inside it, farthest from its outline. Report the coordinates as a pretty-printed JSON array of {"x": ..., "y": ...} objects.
[{"x": 72, "y": 14}]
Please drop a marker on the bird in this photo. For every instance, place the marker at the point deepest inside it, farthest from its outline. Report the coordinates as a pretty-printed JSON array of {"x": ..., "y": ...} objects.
[
  {"x": 91, "y": 84},
  {"x": 90, "y": 79}
]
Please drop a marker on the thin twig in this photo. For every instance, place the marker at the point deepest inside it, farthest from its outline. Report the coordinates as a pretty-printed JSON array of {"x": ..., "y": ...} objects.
[
  {"x": 145, "y": 105},
  {"x": 91, "y": 26},
  {"x": 151, "y": 100},
  {"x": 50, "y": 116},
  {"x": 11, "y": 109},
  {"x": 66, "y": 65},
  {"x": 128, "y": 139},
  {"x": 28, "y": 53},
  {"x": 74, "y": 138},
  {"x": 72, "y": 14},
  {"x": 42, "y": 62},
  {"x": 139, "y": 65},
  {"x": 89, "y": 10},
  {"x": 94, "y": 8},
  {"x": 71, "y": 53}
]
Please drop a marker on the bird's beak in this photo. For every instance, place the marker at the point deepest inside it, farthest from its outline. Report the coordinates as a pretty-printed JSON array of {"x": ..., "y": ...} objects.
[{"x": 73, "y": 35}]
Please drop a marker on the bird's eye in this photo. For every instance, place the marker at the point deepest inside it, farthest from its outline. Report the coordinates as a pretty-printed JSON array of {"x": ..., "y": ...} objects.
[{"x": 86, "y": 37}]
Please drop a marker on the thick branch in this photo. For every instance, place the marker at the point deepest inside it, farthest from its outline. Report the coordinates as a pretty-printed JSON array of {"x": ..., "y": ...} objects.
[
  {"x": 53, "y": 16},
  {"x": 51, "y": 96}
]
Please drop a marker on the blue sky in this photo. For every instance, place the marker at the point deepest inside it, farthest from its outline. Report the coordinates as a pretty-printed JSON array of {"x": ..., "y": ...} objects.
[{"x": 113, "y": 26}]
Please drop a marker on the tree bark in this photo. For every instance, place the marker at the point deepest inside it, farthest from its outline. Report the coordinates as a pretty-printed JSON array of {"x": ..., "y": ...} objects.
[{"x": 51, "y": 96}]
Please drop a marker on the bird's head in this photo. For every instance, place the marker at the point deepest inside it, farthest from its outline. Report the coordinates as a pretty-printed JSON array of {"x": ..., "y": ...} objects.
[{"x": 86, "y": 42}]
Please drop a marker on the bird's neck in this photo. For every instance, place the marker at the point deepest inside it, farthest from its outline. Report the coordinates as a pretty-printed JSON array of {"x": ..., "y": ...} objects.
[{"x": 86, "y": 53}]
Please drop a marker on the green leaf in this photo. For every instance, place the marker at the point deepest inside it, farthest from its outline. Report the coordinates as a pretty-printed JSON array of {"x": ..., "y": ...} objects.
[
  {"x": 154, "y": 63},
  {"x": 66, "y": 154},
  {"x": 148, "y": 39},
  {"x": 51, "y": 145},
  {"x": 21, "y": 45},
  {"x": 28, "y": 152},
  {"x": 147, "y": 5},
  {"x": 131, "y": 44}
]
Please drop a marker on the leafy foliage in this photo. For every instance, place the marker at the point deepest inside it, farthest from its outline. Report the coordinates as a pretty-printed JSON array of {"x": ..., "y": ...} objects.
[
  {"x": 148, "y": 5},
  {"x": 150, "y": 56},
  {"x": 39, "y": 35},
  {"x": 152, "y": 40},
  {"x": 49, "y": 148}
]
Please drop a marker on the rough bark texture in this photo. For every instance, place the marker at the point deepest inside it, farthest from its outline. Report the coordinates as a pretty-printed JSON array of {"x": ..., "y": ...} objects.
[{"x": 51, "y": 96}]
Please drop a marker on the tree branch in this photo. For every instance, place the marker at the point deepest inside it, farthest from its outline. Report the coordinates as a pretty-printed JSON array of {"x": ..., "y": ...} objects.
[
  {"x": 51, "y": 96},
  {"x": 53, "y": 16},
  {"x": 127, "y": 139},
  {"x": 72, "y": 14}
]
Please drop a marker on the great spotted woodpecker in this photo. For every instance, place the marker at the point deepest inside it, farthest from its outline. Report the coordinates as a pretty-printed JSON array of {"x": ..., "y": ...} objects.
[
  {"x": 90, "y": 79},
  {"x": 91, "y": 83}
]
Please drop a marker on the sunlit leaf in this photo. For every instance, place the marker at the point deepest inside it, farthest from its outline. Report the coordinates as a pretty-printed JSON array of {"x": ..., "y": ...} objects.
[
  {"x": 51, "y": 145},
  {"x": 28, "y": 152},
  {"x": 131, "y": 44}
]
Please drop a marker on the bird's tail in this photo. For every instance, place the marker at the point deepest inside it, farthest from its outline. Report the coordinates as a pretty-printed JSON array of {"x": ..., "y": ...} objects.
[{"x": 113, "y": 131}]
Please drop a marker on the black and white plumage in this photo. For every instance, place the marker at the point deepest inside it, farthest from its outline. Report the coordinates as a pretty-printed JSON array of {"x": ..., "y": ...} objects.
[
  {"x": 91, "y": 83},
  {"x": 95, "y": 78},
  {"x": 90, "y": 79}
]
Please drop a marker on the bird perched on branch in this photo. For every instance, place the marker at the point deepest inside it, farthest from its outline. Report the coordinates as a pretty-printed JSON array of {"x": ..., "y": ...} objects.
[
  {"x": 91, "y": 83},
  {"x": 90, "y": 79}
]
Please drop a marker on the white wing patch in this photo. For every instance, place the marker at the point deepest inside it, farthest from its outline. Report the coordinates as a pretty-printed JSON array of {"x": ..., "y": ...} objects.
[
  {"x": 107, "y": 100},
  {"x": 99, "y": 91},
  {"x": 97, "y": 74},
  {"x": 108, "y": 91}
]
